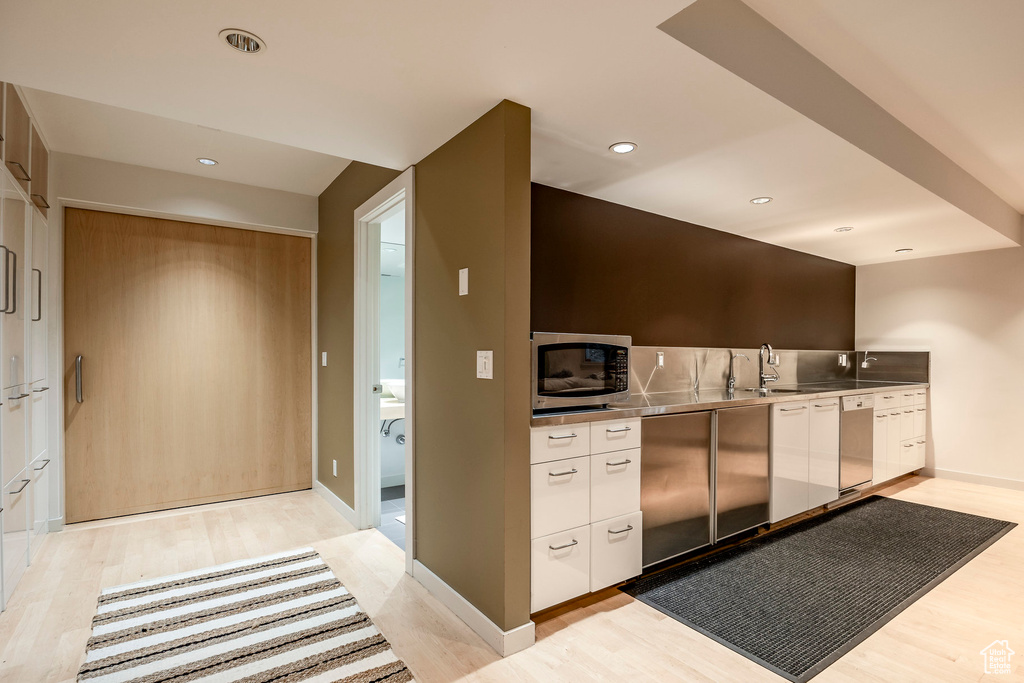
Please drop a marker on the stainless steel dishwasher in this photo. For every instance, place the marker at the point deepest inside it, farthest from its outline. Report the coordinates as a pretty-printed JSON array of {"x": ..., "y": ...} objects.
[{"x": 856, "y": 441}]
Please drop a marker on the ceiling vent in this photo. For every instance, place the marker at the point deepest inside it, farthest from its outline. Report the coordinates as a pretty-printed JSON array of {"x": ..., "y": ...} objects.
[{"x": 243, "y": 41}]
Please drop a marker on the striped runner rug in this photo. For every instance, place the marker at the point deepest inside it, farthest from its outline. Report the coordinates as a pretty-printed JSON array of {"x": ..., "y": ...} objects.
[{"x": 280, "y": 618}]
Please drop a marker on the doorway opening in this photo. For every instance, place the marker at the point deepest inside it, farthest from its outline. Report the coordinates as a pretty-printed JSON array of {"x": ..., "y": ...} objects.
[{"x": 383, "y": 304}]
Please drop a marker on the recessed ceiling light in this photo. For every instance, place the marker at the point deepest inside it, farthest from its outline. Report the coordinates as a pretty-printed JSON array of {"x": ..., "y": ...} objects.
[
  {"x": 904, "y": 250},
  {"x": 623, "y": 147},
  {"x": 207, "y": 162},
  {"x": 760, "y": 200},
  {"x": 844, "y": 229},
  {"x": 243, "y": 41}
]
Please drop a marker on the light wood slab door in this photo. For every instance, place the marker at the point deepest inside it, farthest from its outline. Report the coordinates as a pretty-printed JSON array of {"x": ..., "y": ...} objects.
[{"x": 196, "y": 364}]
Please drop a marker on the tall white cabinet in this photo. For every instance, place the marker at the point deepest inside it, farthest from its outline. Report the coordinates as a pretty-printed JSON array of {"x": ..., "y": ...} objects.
[
  {"x": 804, "y": 456},
  {"x": 24, "y": 453}
]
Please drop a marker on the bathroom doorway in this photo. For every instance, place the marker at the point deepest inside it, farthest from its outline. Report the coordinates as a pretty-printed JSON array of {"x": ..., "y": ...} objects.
[{"x": 383, "y": 357}]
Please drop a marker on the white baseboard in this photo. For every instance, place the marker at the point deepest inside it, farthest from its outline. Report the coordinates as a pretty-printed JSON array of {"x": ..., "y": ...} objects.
[
  {"x": 392, "y": 480},
  {"x": 505, "y": 643},
  {"x": 1015, "y": 484},
  {"x": 337, "y": 503}
]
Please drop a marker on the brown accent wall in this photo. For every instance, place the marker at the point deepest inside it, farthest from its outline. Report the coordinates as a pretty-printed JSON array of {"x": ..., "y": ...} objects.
[
  {"x": 604, "y": 268},
  {"x": 472, "y": 495},
  {"x": 335, "y": 260}
]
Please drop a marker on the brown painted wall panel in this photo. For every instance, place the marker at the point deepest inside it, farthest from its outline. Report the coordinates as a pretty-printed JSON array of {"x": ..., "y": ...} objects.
[
  {"x": 335, "y": 258},
  {"x": 472, "y": 436},
  {"x": 603, "y": 268}
]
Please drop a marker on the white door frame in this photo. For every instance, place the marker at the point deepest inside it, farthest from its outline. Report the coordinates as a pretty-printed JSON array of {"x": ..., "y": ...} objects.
[{"x": 366, "y": 354}]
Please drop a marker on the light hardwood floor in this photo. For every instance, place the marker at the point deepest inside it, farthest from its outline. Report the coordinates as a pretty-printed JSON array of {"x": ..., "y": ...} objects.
[{"x": 938, "y": 638}]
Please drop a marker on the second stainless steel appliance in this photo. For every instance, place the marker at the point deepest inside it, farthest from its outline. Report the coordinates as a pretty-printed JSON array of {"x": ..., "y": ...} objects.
[
  {"x": 703, "y": 478},
  {"x": 579, "y": 370},
  {"x": 856, "y": 441}
]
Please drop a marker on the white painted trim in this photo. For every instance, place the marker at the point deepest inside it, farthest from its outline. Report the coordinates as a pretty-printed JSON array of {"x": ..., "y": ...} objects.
[
  {"x": 1001, "y": 482},
  {"x": 201, "y": 220},
  {"x": 337, "y": 503},
  {"x": 366, "y": 361},
  {"x": 505, "y": 643}
]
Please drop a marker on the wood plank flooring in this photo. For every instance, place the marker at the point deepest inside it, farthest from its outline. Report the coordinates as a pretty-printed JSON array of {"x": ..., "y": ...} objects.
[{"x": 44, "y": 630}]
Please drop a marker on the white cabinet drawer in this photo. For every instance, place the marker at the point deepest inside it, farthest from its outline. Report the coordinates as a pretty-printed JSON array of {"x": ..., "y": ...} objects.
[
  {"x": 908, "y": 398},
  {"x": 887, "y": 399},
  {"x": 559, "y": 567},
  {"x": 560, "y": 496},
  {"x": 921, "y": 397},
  {"x": 559, "y": 442},
  {"x": 614, "y": 435},
  {"x": 615, "y": 550},
  {"x": 920, "y": 421},
  {"x": 614, "y": 484}
]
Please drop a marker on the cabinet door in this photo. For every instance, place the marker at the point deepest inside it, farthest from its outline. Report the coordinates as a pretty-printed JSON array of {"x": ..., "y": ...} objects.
[
  {"x": 880, "y": 467},
  {"x": 560, "y": 495},
  {"x": 790, "y": 459},
  {"x": 823, "y": 470},
  {"x": 12, "y": 263},
  {"x": 39, "y": 472},
  {"x": 559, "y": 567},
  {"x": 742, "y": 470},
  {"x": 38, "y": 421},
  {"x": 40, "y": 173},
  {"x": 37, "y": 297},
  {"x": 615, "y": 553},
  {"x": 614, "y": 484},
  {"x": 907, "y": 423},
  {"x": 920, "y": 420},
  {"x": 16, "y": 136},
  {"x": 12, "y": 433},
  {"x": 15, "y": 530},
  {"x": 892, "y": 444}
]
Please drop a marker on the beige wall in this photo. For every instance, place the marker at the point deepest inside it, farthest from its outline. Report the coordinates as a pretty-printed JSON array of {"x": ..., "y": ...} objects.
[
  {"x": 335, "y": 277},
  {"x": 472, "y": 436},
  {"x": 968, "y": 310},
  {"x": 178, "y": 195}
]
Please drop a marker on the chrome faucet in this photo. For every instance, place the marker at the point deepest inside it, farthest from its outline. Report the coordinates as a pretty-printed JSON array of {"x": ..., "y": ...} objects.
[
  {"x": 772, "y": 360},
  {"x": 864, "y": 363},
  {"x": 732, "y": 373}
]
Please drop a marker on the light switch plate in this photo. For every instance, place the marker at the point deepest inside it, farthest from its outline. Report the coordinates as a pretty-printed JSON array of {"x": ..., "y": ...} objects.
[
  {"x": 323, "y": 359},
  {"x": 334, "y": 465},
  {"x": 463, "y": 281},
  {"x": 485, "y": 364}
]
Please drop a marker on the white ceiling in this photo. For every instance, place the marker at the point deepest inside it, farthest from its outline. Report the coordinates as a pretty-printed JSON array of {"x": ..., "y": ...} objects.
[
  {"x": 77, "y": 126},
  {"x": 387, "y": 82}
]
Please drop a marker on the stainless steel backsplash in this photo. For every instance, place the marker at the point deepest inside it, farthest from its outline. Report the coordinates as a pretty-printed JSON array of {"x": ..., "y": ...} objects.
[{"x": 683, "y": 364}]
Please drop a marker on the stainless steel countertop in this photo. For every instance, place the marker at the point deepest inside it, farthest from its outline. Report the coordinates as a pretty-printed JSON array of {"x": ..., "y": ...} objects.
[{"x": 645, "y": 405}]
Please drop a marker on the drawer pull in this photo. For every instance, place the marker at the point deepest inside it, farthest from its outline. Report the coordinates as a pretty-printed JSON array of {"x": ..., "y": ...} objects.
[
  {"x": 908, "y": 412},
  {"x": 920, "y": 443},
  {"x": 619, "y": 430},
  {"x": 563, "y": 547},
  {"x": 880, "y": 416},
  {"x": 920, "y": 393},
  {"x": 43, "y": 466},
  {"x": 619, "y": 463},
  {"x": 24, "y": 174},
  {"x": 921, "y": 410},
  {"x": 908, "y": 445},
  {"x": 563, "y": 474},
  {"x": 889, "y": 397},
  {"x": 18, "y": 397},
  {"x": 24, "y": 483},
  {"x": 554, "y": 437},
  {"x": 787, "y": 410},
  {"x": 825, "y": 405},
  {"x": 629, "y": 527}
]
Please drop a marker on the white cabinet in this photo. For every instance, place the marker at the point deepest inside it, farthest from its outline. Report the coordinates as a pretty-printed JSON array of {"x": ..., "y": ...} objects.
[
  {"x": 37, "y": 297},
  {"x": 892, "y": 443},
  {"x": 12, "y": 432},
  {"x": 560, "y": 493},
  {"x": 615, "y": 550},
  {"x": 880, "y": 456},
  {"x": 39, "y": 471},
  {"x": 614, "y": 435},
  {"x": 16, "y": 211},
  {"x": 559, "y": 567},
  {"x": 15, "y": 531},
  {"x": 586, "y": 531},
  {"x": 559, "y": 442},
  {"x": 614, "y": 484},
  {"x": 823, "y": 467},
  {"x": 790, "y": 430}
]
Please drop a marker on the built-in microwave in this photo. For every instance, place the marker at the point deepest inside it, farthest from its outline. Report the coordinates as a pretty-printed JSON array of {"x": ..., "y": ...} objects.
[{"x": 579, "y": 370}]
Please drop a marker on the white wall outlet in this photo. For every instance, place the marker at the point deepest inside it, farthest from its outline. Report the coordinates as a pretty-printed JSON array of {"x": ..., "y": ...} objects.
[
  {"x": 843, "y": 361},
  {"x": 334, "y": 466},
  {"x": 323, "y": 359},
  {"x": 463, "y": 281},
  {"x": 485, "y": 364},
  {"x": 660, "y": 355}
]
